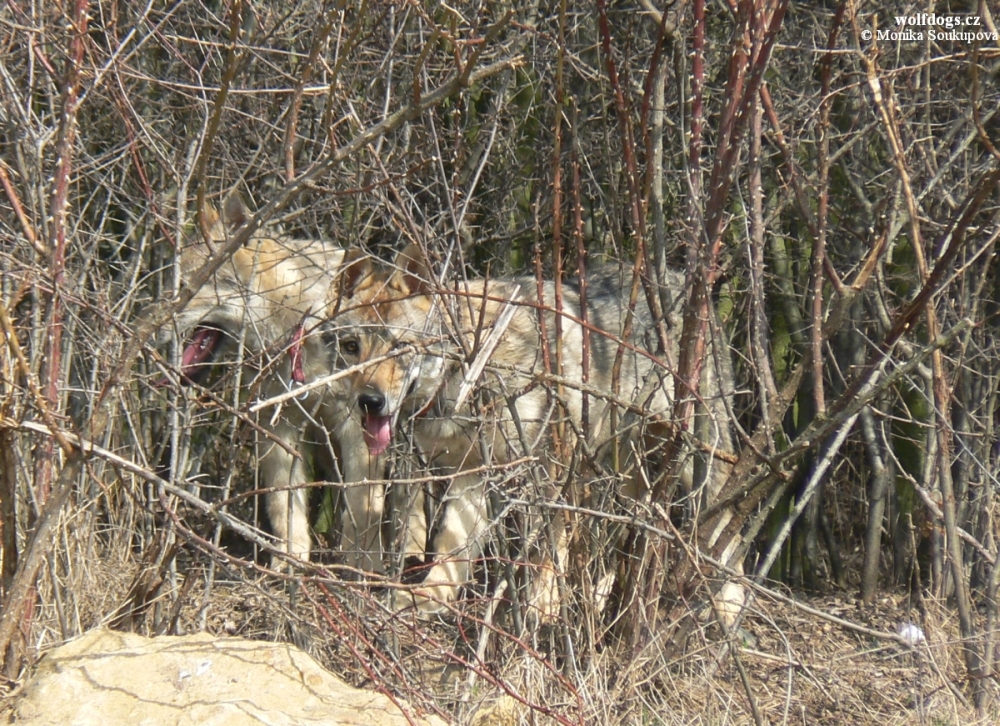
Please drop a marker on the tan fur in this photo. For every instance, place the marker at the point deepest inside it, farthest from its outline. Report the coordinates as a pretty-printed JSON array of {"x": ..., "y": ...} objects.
[
  {"x": 425, "y": 346},
  {"x": 260, "y": 296}
]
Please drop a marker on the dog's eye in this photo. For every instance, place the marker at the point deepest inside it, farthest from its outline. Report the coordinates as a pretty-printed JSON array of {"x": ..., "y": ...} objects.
[
  {"x": 350, "y": 347},
  {"x": 401, "y": 344}
]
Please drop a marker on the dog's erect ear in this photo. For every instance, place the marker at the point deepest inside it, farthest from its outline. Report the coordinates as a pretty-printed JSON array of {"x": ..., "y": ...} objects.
[
  {"x": 236, "y": 214},
  {"x": 216, "y": 230},
  {"x": 411, "y": 274},
  {"x": 356, "y": 268},
  {"x": 355, "y": 271}
]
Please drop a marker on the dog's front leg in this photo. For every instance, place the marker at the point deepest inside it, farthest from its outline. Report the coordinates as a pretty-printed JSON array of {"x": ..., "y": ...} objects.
[
  {"x": 457, "y": 546},
  {"x": 287, "y": 503},
  {"x": 364, "y": 500}
]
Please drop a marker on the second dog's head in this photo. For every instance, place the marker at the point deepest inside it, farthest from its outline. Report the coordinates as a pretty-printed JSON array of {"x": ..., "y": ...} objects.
[{"x": 387, "y": 330}]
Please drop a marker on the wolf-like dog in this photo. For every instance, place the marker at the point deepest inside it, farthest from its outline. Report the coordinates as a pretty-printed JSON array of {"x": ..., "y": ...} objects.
[
  {"x": 269, "y": 298},
  {"x": 463, "y": 368}
]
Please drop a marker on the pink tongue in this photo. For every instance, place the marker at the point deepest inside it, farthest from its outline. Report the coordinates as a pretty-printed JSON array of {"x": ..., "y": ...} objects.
[
  {"x": 378, "y": 433},
  {"x": 199, "y": 349}
]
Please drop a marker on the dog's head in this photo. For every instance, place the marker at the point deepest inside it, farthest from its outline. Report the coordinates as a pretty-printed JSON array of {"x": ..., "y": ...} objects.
[
  {"x": 263, "y": 296},
  {"x": 386, "y": 329}
]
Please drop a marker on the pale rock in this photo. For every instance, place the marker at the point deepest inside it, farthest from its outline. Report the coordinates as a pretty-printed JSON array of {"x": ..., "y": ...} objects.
[{"x": 106, "y": 678}]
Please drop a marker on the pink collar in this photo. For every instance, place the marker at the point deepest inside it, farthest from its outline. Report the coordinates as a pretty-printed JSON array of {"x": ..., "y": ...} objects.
[{"x": 295, "y": 353}]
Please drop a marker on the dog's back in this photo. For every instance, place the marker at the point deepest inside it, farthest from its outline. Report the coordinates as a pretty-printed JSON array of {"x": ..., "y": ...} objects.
[
  {"x": 482, "y": 372},
  {"x": 646, "y": 378},
  {"x": 629, "y": 376}
]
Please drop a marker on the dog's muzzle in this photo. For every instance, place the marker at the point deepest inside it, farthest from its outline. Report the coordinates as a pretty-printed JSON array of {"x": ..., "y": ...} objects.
[{"x": 377, "y": 426}]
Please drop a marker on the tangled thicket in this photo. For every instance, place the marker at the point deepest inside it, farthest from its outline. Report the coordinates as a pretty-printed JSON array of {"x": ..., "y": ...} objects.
[{"x": 833, "y": 193}]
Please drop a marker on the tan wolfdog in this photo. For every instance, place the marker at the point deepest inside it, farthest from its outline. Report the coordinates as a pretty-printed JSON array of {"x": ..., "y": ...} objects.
[
  {"x": 268, "y": 298},
  {"x": 463, "y": 369}
]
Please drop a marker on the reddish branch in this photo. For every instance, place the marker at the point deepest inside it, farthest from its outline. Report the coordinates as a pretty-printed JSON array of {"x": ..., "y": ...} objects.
[
  {"x": 15, "y": 202},
  {"x": 52, "y": 364},
  {"x": 637, "y": 206},
  {"x": 50, "y": 375},
  {"x": 822, "y": 216},
  {"x": 753, "y": 40},
  {"x": 291, "y": 130},
  {"x": 557, "y": 252},
  {"x": 581, "y": 269},
  {"x": 697, "y": 109}
]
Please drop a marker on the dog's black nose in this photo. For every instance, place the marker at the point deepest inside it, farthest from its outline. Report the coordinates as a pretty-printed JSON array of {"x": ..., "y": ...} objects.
[{"x": 371, "y": 403}]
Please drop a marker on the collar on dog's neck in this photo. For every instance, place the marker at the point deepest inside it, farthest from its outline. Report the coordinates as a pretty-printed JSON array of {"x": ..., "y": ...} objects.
[{"x": 295, "y": 354}]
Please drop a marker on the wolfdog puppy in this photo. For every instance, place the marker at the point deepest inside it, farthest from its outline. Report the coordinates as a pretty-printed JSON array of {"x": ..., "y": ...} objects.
[
  {"x": 268, "y": 298},
  {"x": 464, "y": 369}
]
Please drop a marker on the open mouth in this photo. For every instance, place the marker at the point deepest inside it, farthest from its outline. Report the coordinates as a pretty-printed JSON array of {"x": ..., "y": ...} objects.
[
  {"x": 378, "y": 433},
  {"x": 196, "y": 360}
]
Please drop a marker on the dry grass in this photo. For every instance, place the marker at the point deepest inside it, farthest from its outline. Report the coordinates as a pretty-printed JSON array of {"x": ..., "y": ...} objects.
[{"x": 817, "y": 660}]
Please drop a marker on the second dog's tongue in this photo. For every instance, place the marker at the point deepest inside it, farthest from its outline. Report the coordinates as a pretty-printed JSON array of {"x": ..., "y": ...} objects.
[
  {"x": 378, "y": 433},
  {"x": 199, "y": 349}
]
